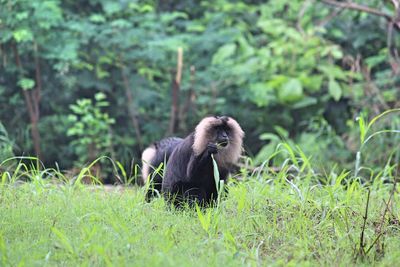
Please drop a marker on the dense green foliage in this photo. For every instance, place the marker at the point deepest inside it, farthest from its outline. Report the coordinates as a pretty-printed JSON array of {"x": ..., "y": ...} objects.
[{"x": 298, "y": 70}]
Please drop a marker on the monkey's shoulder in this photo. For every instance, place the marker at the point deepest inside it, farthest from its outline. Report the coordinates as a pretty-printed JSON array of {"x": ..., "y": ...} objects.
[
  {"x": 167, "y": 143},
  {"x": 184, "y": 149}
]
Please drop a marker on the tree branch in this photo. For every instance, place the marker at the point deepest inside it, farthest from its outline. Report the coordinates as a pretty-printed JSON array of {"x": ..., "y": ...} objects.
[
  {"x": 328, "y": 18},
  {"x": 303, "y": 10},
  {"x": 362, "y": 241},
  {"x": 358, "y": 7}
]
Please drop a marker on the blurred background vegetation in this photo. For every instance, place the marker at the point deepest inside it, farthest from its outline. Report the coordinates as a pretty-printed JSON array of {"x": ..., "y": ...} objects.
[{"x": 85, "y": 78}]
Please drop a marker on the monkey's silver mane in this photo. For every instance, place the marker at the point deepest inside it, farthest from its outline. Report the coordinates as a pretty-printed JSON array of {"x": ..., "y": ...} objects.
[{"x": 203, "y": 133}]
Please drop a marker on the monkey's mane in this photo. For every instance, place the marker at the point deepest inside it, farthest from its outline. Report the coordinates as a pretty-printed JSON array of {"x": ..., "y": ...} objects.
[{"x": 204, "y": 133}]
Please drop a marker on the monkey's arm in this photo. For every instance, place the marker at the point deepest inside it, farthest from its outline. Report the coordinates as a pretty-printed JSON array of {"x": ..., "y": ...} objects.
[{"x": 197, "y": 162}]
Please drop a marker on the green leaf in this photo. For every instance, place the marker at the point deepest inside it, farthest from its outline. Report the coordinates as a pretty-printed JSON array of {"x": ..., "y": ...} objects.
[
  {"x": 172, "y": 16},
  {"x": 72, "y": 118},
  {"x": 269, "y": 137},
  {"x": 223, "y": 53},
  {"x": 291, "y": 91},
  {"x": 63, "y": 238},
  {"x": 100, "y": 96},
  {"x": 26, "y": 84},
  {"x": 22, "y": 35},
  {"x": 195, "y": 27},
  {"x": 311, "y": 83},
  {"x": 274, "y": 27},
  {"x": 282, "y": 132},
  {"x": 216, "y": 173},
  {"x": 203, "y": 219},
  {"x": 262, "y": 93},
  {"x": 334, "y": 89},
  {"x": 111, "y": 7},
  {"x": 337, "y": 53},
  {"x": 22, "y": 15},
  {"x": 374, "y": 61},
  {"x": 305, "y": 102},
  {"x": 97, "y": 18},
  {"x": 121, "y": 23},
  {"x": 390, "y": 95},
  {"x": 333, "y": 71}
]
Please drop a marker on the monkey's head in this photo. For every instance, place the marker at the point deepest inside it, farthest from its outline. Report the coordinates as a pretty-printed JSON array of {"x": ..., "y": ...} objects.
[{"x": 222, "y": 131}]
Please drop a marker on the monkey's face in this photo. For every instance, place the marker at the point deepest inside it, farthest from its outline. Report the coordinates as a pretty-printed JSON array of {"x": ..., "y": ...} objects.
[
  {"x": 222, "y": 132},
  {"x": 221, "y": 136}
]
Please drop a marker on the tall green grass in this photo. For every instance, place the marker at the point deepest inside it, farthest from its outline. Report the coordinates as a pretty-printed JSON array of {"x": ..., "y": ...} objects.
[{"x": 266, "y": 219}]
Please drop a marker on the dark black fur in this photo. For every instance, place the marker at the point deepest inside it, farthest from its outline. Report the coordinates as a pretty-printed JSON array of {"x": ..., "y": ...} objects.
[
  {"x": 164, "y": 150},
  {"x": 189, "y": 177}
]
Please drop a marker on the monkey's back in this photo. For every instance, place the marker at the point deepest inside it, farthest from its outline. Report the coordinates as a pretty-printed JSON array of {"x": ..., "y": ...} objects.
[
  {"x": 164, "y": 148},
  {"x": 176, "y": 167}
]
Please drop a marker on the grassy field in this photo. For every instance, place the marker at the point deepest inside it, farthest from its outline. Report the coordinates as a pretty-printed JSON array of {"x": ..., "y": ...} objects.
[{"x": 266, "y": 219}]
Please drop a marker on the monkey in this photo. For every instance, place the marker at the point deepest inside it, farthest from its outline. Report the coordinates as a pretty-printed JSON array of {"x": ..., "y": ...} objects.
[
  {"x": 189, "y": 173},
  {"x": 152, "y": 157},
  {"x": 188, "y": 168}
]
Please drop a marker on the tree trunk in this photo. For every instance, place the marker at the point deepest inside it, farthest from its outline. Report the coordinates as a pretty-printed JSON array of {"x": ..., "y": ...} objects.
[
  {"x": 131, "y": 108},
  {"x": 32, "y": 98},
  {"x": 176, "y": 85}
]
